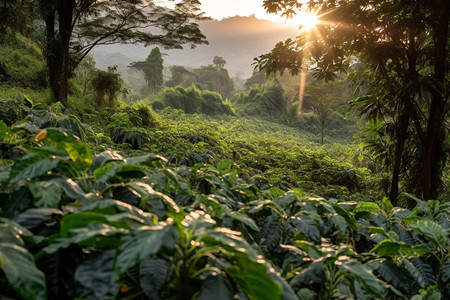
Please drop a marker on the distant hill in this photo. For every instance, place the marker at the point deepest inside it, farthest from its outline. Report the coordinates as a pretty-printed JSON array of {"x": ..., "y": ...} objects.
[{"x": 237, "y": 39}]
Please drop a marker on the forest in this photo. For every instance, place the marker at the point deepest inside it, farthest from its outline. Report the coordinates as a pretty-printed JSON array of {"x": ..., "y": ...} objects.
[{"x": 322, "y": 175}]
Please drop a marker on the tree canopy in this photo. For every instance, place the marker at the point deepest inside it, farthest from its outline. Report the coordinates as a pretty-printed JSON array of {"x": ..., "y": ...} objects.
[
  {"x": 397, "y": 54},
  {"x": 75, "y": 27},
  {"x": 152, "y": 69}
]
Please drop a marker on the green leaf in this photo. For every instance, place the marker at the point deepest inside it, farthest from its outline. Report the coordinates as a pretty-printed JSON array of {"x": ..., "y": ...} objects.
[
  {"x": 431, "y": 293},
  {"x": 94, "y": 277},
  {"x": 112, "y": 207},
  {"x": 446, "y": 271},
  {"x": 370, "y": 207},
  {"x": 31, "y": 166},
  {"x": 428, "y": 228},
  {"x": 421, "y": 271},
  {"x": 145, "y": 241},
  {"x": 47, "y": 194},
  {"x": 307, "y": 226},
  {"x": 272, "y": 231},
  {"x": 351, "y": 221},
  {"x": 394, "y": 275},
  {"x": 230, "y": 240},
  {"x": 3, "y": 130},
  {"x": 386, "y": 206},
  {"x": 197, "y": 221},
  {"x": 153, "y": 273},
  {"x": 252, "y": 278},
  {"x": 146, "y": 160},
  {"x": 21, "y": 272},
  {"x": 389, "y": 248},
  {"x": 98, "y": 236},
  {"x": 11, "y": 232},
  {"x": 339, "y": 222},
  {"x": 370, "y": 284},
  {"x": 81, "y": 155},
  {"x": 216, "y": 287}
]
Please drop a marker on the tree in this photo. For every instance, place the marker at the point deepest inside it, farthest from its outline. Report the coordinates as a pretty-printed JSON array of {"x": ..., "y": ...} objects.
[
  {"x": 213, "y": 79},
  {"x": 106, "y": 84},
  {"x": 180, "y": 76},
  {"x": 323, "y": 102},
  {"x": 219, "y": 62},
  {"x": 75, "y": 27},
  {"x": 258, "y": 77},
  {"x": 402, "y": 46},
  {"x": 152, "y": 69}
]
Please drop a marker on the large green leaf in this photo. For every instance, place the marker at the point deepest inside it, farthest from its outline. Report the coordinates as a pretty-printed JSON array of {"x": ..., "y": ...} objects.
[
  {"x": 394, "y": 275},
  {"x": 31, "y": 166},
  {"x": 47, "y": 194},
  {"x": 216, "y": 287},
  {"x": 370, "y": 284},
  {"x": 252, "y": 278},
  {"x": 153, "y": 273},
  {"x": 229, "y": 240},
  {"x": 421, "y": 271},
  {"x": 307, "y": 226},
  {"x": 21, "y": 272},
  {"x": 370, "y": 207},
  {"x": 272, "y": 231},
  {"x": 94, "y": 278},
  {"x": 430, "y": 229},
  {"x": 145, "y": 241}
]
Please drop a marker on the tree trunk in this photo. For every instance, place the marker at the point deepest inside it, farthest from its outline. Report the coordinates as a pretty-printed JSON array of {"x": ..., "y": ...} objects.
[
  {"x": 433, "y": 156},
  {"x": 402, "y": 136},
  {"x": 57, "y": 47}
]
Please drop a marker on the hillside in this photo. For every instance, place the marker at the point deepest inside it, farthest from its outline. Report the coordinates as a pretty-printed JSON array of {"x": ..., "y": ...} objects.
[{"x": 238, "y": 40}]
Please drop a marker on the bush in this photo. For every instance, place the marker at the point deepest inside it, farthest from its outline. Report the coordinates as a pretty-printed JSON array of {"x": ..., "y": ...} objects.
[{"x": 192, "y": 100}]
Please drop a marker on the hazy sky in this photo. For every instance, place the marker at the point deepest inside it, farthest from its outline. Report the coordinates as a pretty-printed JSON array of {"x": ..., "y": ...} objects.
[{"x": 219, "y": 9}]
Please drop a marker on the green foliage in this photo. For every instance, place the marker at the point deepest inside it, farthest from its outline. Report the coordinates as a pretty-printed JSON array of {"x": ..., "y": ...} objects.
[
  {"x": 192, "y": 100},
  {"x": 22, "y": 62},
  {"x": 152, "y": 69},
  {"x": 139, "y": 226},
  {"x": 106, "y": 84},
  {"x": 266, "y": 100}
]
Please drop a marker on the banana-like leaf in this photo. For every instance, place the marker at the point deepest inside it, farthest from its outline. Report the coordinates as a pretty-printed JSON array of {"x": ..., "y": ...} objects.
[
  {"x": 143, "y": 242},
  {"x": 18, "y": 266}
]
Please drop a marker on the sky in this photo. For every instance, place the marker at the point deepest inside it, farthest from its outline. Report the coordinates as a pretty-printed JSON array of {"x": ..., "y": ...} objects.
[{"x": 219, "y": 9}]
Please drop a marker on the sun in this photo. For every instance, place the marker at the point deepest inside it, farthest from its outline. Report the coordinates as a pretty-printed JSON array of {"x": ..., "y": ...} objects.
[{"x": 307, "y": 20}]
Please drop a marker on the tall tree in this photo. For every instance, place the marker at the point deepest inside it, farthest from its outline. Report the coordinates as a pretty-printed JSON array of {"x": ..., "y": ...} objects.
[
  {"x": 152, "y": 69},
  {"x": 403, "y": 46},
  {"x": 75, "y": 27}
]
